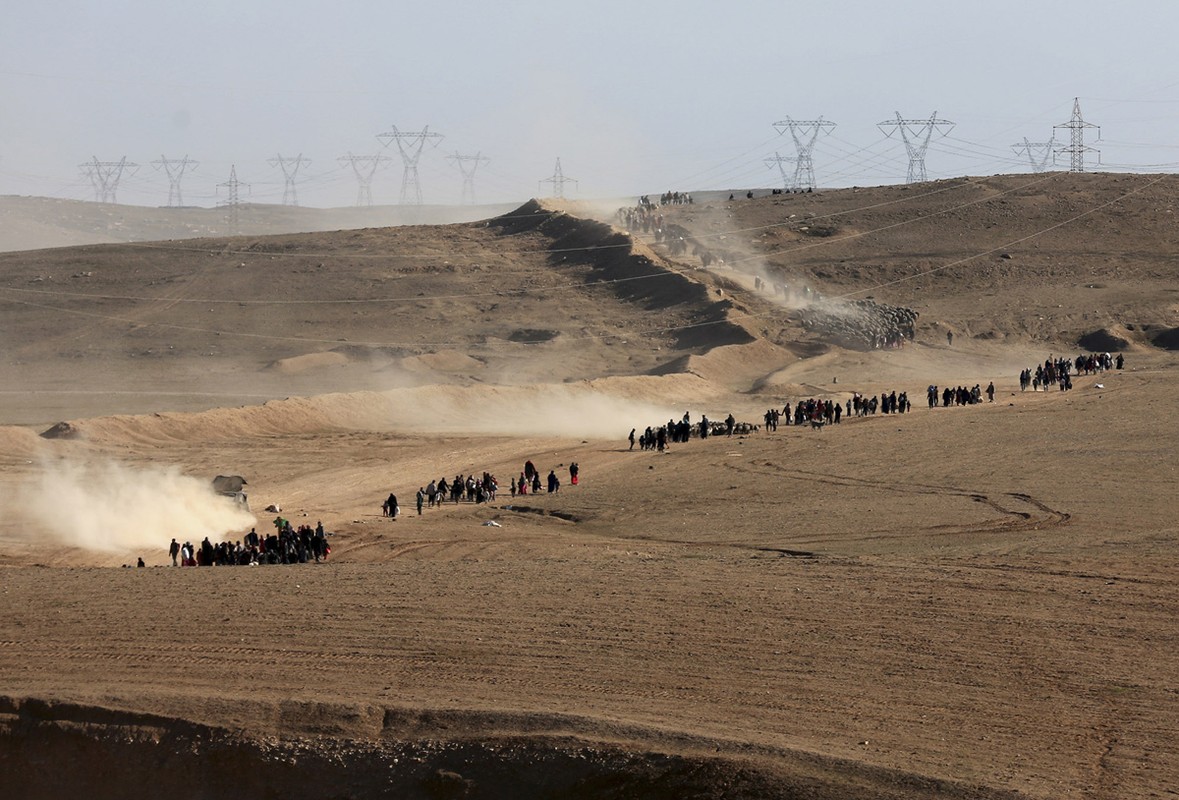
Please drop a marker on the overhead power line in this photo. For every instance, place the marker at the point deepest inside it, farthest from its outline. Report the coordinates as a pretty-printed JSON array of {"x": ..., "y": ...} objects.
[
  {"x": 290, "y": 171},
  {"x": 410, "y": 145},
  {"x": 1076, "y": 149},
  {"x": 232, "y": 202},
  {"x": 105, "y": 176},
  {"x": 364, "y": 167},
  {"x": 175, "y": 169},
  {"x": 916, "y": 134},
  {"x": 804, "y": 133},
  {"x": 468, "y": 165},
  {"x": 779, "y": 160},
  {"x": 558, "y": 180}
]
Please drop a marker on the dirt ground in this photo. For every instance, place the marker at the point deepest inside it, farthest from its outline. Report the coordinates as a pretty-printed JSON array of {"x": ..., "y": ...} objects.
[{"x": 954, "y": 602}]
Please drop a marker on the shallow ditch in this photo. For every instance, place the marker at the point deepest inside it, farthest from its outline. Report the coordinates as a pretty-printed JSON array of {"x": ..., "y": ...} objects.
[{"x": 58, "y": 751}]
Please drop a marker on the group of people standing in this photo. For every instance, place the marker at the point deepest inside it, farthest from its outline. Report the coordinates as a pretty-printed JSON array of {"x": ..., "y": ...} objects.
[
  {"x": 478, "y": 489},
  {"x": 287, "y": 545},
  {"x": 529, "y": 481},
  {"x": 959, "y": 396},
  {"x": 824, "y": 411},
  {"x": 658, "y": 437},
  {"x": 1058, "y": 371},
  {"x": 472, "y": 489}
]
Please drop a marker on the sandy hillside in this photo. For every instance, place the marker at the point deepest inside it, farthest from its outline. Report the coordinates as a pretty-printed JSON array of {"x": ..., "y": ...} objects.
[
  {"x": 954, "y": 602},
  {"x": 35, "y": 223}
]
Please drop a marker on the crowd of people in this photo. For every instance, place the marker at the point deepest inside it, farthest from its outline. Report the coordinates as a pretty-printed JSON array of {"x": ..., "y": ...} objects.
[
  {"x": 471, "y": 489},
  {"x": 819, "y": 412},
  {"x": 1058, "y": 371},
  {"x": 530, "y": 482},
  {"x": 646, "y": 217},
  {"x": 478, "y": 489},
  {"x": 291, "y": 545},
  {"x": 658, "y": 437},
  {"x": 669, "y": 198},
  {"x": 959, "y": 396},
  {"x": 287, "y": 545},
  {"x": 814, "y": 411}
]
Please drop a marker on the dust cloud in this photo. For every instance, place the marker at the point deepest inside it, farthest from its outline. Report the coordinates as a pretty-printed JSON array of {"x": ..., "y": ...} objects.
[
  {"x": 112, "y": 507},
  {"x": 543, "y": 410}
]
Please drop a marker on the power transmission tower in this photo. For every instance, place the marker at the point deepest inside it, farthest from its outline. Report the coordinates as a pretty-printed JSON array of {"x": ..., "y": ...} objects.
[
  {"x": 290, "y": 170},
  {"x": 804, "y": 132},
  {"x": 1076, "y": 149},
  {"x": 916, "y": 134},
  {"x": 105, "y": 175},
  {"x": 175, "y": 168},
  {"x": 232, "y": 201},
  {"x": 780, "y": 160},
  {"x": 410, "y": 144},
  {"x": 1038, "y": 153},
  {"x": 468, "y": 172},
  {"x": 364, "y": 167},
  {"x": 558, "y": 181}
]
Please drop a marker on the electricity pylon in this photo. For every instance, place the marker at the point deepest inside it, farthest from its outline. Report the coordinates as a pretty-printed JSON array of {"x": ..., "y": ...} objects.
[
  {"x": 105, "y": 175},
  {"x": 780, "y": 160},
  {"x": 232, "y": 202},
  {"x": 1076, "y": 149},
  {"x": 410, "y": 144},
  {"x": 468, "y": 172},
  {"x": 175, "y": 169},
  {"x": 290, "y": 170},
  {"x": 1038, "y": 153},
  {"x": 558, "y": 181},
  {"x": 804, "y": 132},
  {"x": 916, "y": 134},
  {"x": 364, "y": 167}
]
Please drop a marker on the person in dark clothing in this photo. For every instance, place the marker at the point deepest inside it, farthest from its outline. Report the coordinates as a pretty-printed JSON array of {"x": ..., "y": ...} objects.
[
  {"x": 554, "y": 482},
  {"x": 174, "y": 550}
]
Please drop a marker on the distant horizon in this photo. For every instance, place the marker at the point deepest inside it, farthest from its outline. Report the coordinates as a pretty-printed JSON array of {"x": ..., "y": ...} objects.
[
  {"x": 485, "y": 99},
  {"x": 710, "y": 194}
]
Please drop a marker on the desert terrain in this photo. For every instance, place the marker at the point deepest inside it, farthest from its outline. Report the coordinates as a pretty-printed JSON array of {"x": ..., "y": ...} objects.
[{"x": 962, "y": 602}]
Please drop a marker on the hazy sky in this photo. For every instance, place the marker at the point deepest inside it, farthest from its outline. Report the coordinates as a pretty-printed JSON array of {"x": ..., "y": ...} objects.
[{"x": 636, "y": 96}]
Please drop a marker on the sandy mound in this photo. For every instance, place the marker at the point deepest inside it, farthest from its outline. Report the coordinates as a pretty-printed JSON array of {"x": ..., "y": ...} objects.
[
  {"x": 586, "y": 408},
  {"x": 19, "y": 442},
  {"x": 442, "y": 361},
  {"x": 310, "y": 361},
  {"x": 1168, "y": 339},
  {"x": 40, "y": 222},
  {"x": 733, "y": 366},
  {"x": 1104, "y": 340}
]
